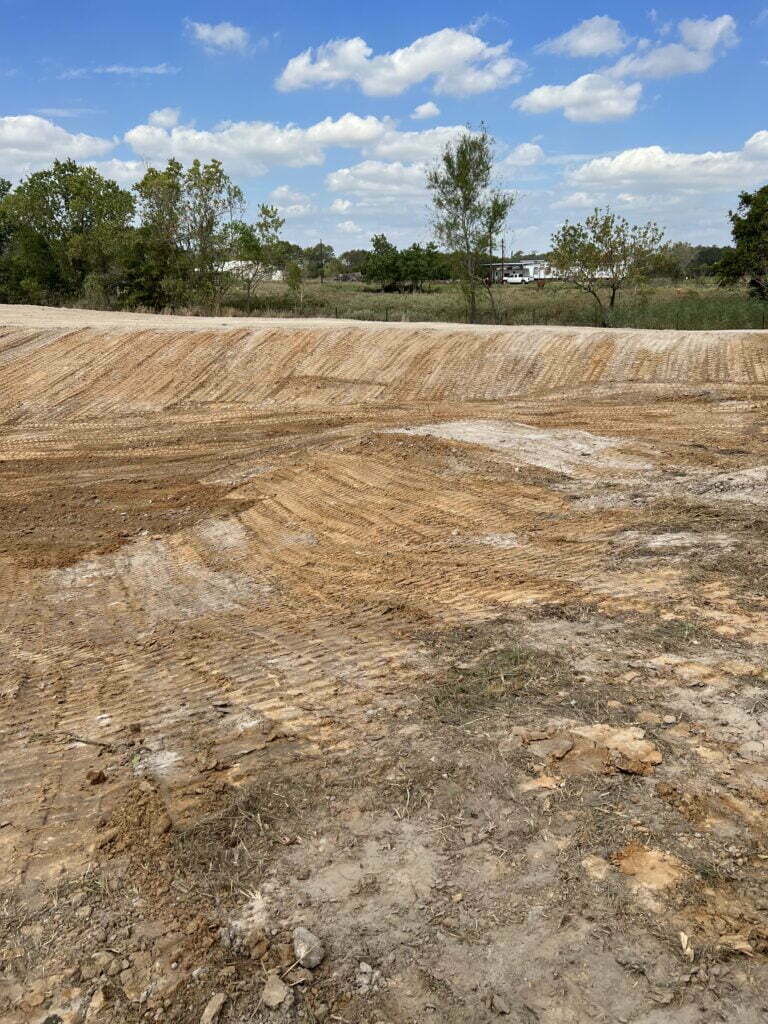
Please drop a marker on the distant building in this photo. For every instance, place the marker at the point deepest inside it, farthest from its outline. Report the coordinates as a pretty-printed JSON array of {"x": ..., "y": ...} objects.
[{"x": 254, "y": 271}]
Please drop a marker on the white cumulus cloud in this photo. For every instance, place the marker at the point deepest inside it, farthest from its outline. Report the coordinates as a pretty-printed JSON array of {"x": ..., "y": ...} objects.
[
  {"x": 526, "y": 154},
  {"x": 458, "y": 62},
  {"x": 655, "y": 168},
  {"x": 424, "y": 145},
  {"x": 701, "y": 42},
  {"x": 590, "y": 98},
  {"x": 286, "y": 194},
  {"x": 251, "y": 147},
  {"x": 124, "y": 172},
  {"x": 378, "y": 178},
  {"x": 166, "y": 117},
  {"x": 28, "y": 142},
  {"x": 223, "y": 37},
  {"x": 349, "y": 227},
  {"x": 425, "y": 110},
  {"x": 347, "y": 130},
  {"x": 290, "y": 202},
  {"x": 593, "y": 37}
]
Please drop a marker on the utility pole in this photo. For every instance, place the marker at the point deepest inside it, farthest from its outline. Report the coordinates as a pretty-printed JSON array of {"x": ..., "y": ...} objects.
[
  {"x": 502, "y": 258},
  {"x": 322, "y": 263}
]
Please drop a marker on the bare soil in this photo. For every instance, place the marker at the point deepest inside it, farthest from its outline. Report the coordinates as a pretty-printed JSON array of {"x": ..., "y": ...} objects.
[{"x": 412, "y": 637}]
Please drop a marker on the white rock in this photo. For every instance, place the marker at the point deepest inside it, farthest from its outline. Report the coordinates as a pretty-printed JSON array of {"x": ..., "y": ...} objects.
[
  {"x": 307, "y": 947},
  {"x": 213, "y": 1008}
]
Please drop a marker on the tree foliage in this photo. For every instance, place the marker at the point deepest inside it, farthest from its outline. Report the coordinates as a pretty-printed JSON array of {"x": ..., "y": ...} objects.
[
  {"x": 602, "y": 253},
  {"x": 382, "y": 264},
  {"x": 352, "y": 260},
  {"x": 255, "y": 249},
  {"x": 398, "y": 269},
  {"x": 469, "y": 212},
  {"x": 61, "y": 228},
  {"x": 317, "y": 259},
  {"x": 749, "y": 259}
]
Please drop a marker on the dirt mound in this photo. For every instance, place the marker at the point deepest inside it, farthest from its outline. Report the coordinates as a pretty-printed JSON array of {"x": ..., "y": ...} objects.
[{"x": 63, "y": 364}]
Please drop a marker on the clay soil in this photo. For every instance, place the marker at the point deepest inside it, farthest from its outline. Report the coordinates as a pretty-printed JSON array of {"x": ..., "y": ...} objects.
[{"x": 448, "y": 644}]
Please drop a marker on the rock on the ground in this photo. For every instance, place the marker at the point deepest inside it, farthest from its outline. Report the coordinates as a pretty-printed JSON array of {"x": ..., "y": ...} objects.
[
  {"x": 213, "y": 1008},
  {"x": 96, "y": 1005},
  {"x": 629, "y": 749},
  {"x": 367, "y": 979},
  {"x": 275, "y": 991},
  {"x": 307, "y": 947}
]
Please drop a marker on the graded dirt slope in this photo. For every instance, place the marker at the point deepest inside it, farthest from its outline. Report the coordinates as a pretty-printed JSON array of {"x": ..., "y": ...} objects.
[
  {"x": 118, "y": 365},
  {"x": 447, "y": 643}
]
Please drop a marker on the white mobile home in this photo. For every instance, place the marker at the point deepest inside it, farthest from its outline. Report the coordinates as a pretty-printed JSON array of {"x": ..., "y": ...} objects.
[{"x": 520, "y": 271}]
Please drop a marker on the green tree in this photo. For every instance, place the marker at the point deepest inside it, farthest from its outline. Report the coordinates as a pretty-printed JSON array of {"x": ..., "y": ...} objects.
[
  {"x": 603, "y": 253},
  {"x": 419, "y": 264},
  {"x": 212, "y": 210},
  {"x": 749, "y": 259},
  {"x": 283, "y": 253},
  {"x": 706, "y": 259},
  {"x": 352, "y": 260},
  {"x": 68, "y": 223},
  {"x": 256, "y": 250},
  {"x": 469, "y": 211},
  {"x": 316, "y": 258},
  {"x": 383, "y": 264},
  {"x": 6, "y": 236},
  {"x": 159, "y": 272},
  {"x": 189, "y": 231}
]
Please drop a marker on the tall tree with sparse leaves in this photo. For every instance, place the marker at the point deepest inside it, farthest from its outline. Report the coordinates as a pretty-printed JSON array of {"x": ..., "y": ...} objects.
[{"x": 469, "y": 210}]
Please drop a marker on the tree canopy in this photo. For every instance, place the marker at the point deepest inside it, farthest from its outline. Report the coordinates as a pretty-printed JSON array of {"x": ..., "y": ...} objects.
[
  {"x": 749, "y": 259},
  {"x": 602, "y": 253}
]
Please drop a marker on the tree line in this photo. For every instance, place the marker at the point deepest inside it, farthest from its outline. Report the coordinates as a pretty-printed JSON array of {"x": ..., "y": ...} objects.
[{"x": 179, "y": 239}]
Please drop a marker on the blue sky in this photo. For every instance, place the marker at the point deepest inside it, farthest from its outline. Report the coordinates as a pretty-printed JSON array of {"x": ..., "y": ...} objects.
[{"x": 333, "y": 110}]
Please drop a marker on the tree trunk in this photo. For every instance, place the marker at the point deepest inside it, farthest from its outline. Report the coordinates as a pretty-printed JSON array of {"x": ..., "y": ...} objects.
[
  {"x": 600, "y": 309},
  {"x": 471, "y": 303}
]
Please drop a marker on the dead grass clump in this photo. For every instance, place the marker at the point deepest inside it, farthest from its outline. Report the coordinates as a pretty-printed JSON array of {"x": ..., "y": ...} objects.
[
  {"x": 672, "y": 515},
  {"x": 480, "y": 677},
  {"x": 650, "y": 634},
  {"x": 746, "y": 568}
]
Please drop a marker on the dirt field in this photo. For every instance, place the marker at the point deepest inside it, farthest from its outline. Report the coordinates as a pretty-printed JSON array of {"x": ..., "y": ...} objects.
[{"x": 447, "y": 644}]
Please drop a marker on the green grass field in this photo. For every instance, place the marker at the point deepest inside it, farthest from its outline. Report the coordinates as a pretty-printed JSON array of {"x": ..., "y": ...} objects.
[{"x": 689, "y": 306}]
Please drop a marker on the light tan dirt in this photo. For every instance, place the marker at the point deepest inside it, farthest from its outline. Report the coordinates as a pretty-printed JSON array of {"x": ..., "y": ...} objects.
[{"x": 449, "y": 644}]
